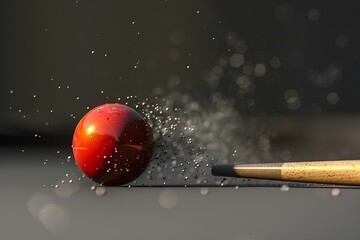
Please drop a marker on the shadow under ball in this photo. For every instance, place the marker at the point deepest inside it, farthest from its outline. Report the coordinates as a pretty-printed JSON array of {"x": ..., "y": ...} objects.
[{"x": 112, "y": 144}]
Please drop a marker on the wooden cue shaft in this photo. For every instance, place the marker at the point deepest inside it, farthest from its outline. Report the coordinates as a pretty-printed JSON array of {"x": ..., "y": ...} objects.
[{"x": 332, "y": 172}]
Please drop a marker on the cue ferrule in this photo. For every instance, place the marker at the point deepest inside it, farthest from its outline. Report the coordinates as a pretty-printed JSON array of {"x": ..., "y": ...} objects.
[
  {"x": 224, "y": 170},
  {"x": 265, "y": 171}
]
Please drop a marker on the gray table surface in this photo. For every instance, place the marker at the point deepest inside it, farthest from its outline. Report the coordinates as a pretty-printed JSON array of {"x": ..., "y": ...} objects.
[{"x": 29, "y": 210}]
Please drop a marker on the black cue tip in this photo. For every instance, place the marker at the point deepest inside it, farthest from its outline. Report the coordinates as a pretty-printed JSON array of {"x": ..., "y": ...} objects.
[{"x": 224, "y": 170}]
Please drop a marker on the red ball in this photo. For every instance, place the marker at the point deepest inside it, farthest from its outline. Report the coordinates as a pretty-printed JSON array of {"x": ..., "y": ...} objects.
[{"x": 112, "y": 144}]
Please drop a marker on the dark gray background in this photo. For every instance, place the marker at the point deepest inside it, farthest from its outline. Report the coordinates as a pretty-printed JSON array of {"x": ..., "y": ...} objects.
[{"x": 44, "y": 40}]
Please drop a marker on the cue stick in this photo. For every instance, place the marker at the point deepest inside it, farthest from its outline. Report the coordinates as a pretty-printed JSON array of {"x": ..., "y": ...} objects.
[{"x": 331, "y": 172}]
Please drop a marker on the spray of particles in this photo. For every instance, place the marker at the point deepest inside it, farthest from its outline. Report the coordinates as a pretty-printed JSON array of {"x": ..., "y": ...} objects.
[{"x": 190, "y": 138}]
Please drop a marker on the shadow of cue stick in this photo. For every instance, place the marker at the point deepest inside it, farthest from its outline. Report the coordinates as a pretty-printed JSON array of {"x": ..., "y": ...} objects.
[{"x": 345, "y": 172}]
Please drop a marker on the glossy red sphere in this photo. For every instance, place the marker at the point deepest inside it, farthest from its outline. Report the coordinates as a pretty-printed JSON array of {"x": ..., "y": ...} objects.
[{"x": 112, "y": 144}]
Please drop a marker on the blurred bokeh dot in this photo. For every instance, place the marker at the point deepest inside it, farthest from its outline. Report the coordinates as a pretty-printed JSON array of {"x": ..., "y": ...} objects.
[
  {"x": 55, "y": 218},
  {"x": 335, "y": 192},
  {"x": 168, "y": 198},
  {"x": 275, "y": 62},
  {"x": 313, "y": 14},
  {"x": 292, "y": 99},
  {"x": 204, "y": 191},
  {"x": 285, "y": 155},
  {"x": 100, "y": 191},
  {"x": 243, "y": 81},
  {"x": 236, "y": 60},
  {"x": 259, "y": 70},
  {"x": 328, "y": 77},
  {"x": 332, "y": 98},
  {"x": 341, "y": 41},
  {"x": 217, "y": 72},
  {"x": 247, "y": 69},
  {"x": 284, "y": 188}
]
